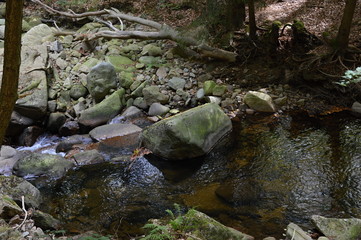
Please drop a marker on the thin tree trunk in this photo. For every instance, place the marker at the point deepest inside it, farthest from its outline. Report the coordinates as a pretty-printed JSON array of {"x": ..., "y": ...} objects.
[
  {"x": 252, "y": 20},
  {"x": 343, "y": 34},
  {"x": 9, "y": 84}
]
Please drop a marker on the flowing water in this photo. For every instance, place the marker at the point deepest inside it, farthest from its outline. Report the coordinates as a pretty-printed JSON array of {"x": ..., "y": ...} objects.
[{"x": 274, "y": 171}]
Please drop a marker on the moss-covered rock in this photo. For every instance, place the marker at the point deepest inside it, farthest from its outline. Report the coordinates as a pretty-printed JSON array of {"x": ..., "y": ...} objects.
[
  {"x": 36, "y": 164},
  {"x": 190, "y": 134},
  {"x": 103, "y": 111}
]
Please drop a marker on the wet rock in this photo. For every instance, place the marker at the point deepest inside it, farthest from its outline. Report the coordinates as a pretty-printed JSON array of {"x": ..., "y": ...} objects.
[
  {"x": 69, "y": 128},
  {"x": 77, "y": 91},
  {"x": 208, "y": 87},
  {"x": 103, "y": 111},
  {"x": 259, "y": 101},
  {"x": 296, "y": 233},
  {"x": 190, "y": 134},
  {"x": 356, "y": 109},
  {"x": 152, "y": 95},
  {"x": 157, "y": 109},
  {"x": 340, "y": 229},
  {"x": 16, "y": 187},
  {"x": 55, "y": 121},
  {"x": 17, "y": 123},
  {"x": 36, "y": 164},
  {"x": 100, "y": 80},
  {"x": 88, "y": 157},
  {"x": 68, "y": 143},
  {"x": 45, "y": 220},
  {"x": 176, "y": 83},
  {"x": 113, "y": 130},
  {"x": 30, "y": 135}
]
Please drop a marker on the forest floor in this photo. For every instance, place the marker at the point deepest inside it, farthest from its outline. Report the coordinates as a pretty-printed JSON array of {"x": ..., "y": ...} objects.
[{"x": 320, "y": 17}]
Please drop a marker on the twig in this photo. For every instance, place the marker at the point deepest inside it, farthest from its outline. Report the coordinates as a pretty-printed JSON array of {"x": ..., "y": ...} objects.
[{"x": 26, "y": 212}]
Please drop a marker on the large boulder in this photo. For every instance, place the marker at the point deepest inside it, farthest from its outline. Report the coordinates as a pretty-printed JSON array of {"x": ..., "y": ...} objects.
[
  {"x": 8, "y": 157},
  {"x": 36, "y": 164},
  {"x": 103, "y": 111},
  {"x": 16, "y": 187},
  {"x": 38, "y": 35},
  {"x": 259, "y": 101},
  {"x": 190, "y": 134},
  {"x": 101, "y": 79},
  {"x": 152, "y": 95},
  {"x": 340, "y": 229}
]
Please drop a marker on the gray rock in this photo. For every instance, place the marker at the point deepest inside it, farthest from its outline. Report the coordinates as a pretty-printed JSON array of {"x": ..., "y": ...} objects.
[
  {"x": 162, "y": 72},
  {"x": 55, "y": 121},
  {"x": 37, "y": 35},
  {"x": 140, "y": 103},
  {"x": 149, "y": 60},
  {"x": 88, "y": 157},
  {"x": 340, "y": 229},
  {"x": 259, "y": 101},
  {"x": 2, "y": 32},
  {"x": 100, "y": 80},
  {"x": 190, "y": 134},
  {"x": 157, "y": 109},
  {"x": 69, "y": 128},
  {"x": 45, "y": 220},
  {"x": 356, "y": 109},
  {"x": 132, "y": 113},
  {"x": 152, "y": 94},
  {"x": 113, "y": 130},
  {"x": 36, "y": 164},
  {"x": 8, "y": 157},
  {"x": 77, "y": 91},
  {"x": 200, "y": 94},
  {"x": 176, "y": 83},
  {"x": 103, "y": 111},
  {"x": 296, "y": 233},
  {"x": 16, "y": 187}
]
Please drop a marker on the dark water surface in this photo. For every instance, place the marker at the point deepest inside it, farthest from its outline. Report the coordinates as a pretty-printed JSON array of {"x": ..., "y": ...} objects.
[{"x": 273, "y": 172}]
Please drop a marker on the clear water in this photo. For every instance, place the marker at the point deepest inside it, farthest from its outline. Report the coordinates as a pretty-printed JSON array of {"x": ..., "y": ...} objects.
[{"x": 274, "y": 171}]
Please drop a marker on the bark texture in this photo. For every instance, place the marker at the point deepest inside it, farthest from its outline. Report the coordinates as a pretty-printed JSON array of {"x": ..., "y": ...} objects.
[
  {"x": 9, "y": 85},
  {"x": 343, "y": 34}
]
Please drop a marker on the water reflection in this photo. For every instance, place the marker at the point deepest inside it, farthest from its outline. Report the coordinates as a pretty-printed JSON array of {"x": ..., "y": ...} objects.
[{"x": 272, "y": 173}]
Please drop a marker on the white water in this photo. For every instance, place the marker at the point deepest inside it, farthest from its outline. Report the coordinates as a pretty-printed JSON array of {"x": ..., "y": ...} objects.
[{"x": 44, "y": 144}]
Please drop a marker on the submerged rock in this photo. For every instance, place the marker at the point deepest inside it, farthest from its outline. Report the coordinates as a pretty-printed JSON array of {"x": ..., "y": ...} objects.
[{"x": 190, "y": 134}]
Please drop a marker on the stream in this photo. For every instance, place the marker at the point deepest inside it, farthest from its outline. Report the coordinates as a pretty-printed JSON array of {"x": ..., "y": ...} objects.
[{"x": 272, "y": 172}]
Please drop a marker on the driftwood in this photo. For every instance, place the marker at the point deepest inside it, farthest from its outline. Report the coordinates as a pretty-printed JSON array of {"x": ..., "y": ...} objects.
[{"x": 164, "y": 32}]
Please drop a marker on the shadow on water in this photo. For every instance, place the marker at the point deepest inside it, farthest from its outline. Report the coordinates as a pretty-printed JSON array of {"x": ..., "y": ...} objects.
[{"x": 273, "y": 172}]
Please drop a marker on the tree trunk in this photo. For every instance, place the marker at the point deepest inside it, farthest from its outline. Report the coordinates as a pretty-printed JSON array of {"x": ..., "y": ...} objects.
[
  {"x": 9, "y": 84},
  {"x": 343, "y": 34},
  {"x": 252, "y": 20}
]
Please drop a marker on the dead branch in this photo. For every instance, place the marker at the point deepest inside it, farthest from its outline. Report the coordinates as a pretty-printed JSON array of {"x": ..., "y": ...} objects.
[{"x": 164, "y": 32}]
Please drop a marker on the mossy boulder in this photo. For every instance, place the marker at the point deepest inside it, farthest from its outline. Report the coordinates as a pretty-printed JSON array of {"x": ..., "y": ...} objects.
[
  {"x": 36, "y": 164},
  {"x": 120, "y": 63},
  {"x": 103, "y": 111},
  {"x": 16, "y": 187},
  {"x": 340, "y": 229},
  {"x": 190, "y": 134}
]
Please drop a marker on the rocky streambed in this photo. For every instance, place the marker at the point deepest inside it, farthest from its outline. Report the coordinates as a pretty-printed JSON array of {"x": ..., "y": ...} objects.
[{"x": 98, "y": 98}]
